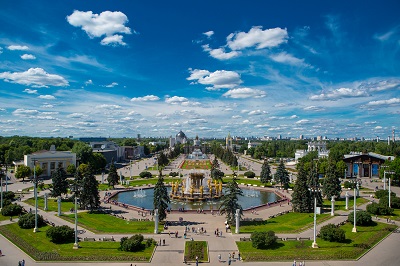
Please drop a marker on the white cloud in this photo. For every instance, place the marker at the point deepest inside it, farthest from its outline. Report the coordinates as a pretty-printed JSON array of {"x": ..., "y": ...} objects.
[
  {"x": 218, "y": 79},
  {"x": 236, "y": 116},
  {"x": 112, "y": 85},
  {"x": 89, "y": 82},
  {"x": 47, "y": 97},
  {"x": 256, "y": 112},
  {"x": 261, "y": 126},
  {"x": 381, "y": 85},
  {"x": 113, "y": 40},
  {"x": 393, "y": 101},
  {"x": 1, "y": 50},
  {"x": 109, "y": 106},
  {"x": 18, "y": 47},
  {"x": 257, "y": 37},
  {"x": 24, "y": 112},
  {"x": 340, "y": 93},
  {"x": 220, "y": 53},
  {"x": 314, "y": 108},
  {"x": 106, "y": 23},
  {"x": 288, "y": 59},
  {"x": 76, "y": 115},
  {"x": 87, "y": 124},
  {"x": 303, "y": 121},
  {"x": 176, "y": 100},
  {"x": 243, "y": 93},
  {"x": 294, "y": 117},
  {"x": 28, "y": 57},
  {"x": 47, "y": 106},
  {"x": 29, "y": 91},
  {"x": 209, "y": 33},
  {"x": 35, "y": 77},
  {"x": 378, "y": 127},
  {"x": 145, "y": 98}
]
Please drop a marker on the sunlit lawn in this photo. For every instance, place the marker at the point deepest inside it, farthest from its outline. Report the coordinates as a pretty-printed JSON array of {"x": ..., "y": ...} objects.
[
  {"x": 368, "y": 236},
  {"x": 105, "y": 223},
  {"x": 291, "y": 222},
  {"x": 340, "y": 204},
  {"x": 39, "y": 247},
  {"x": 52, "y": 204}
]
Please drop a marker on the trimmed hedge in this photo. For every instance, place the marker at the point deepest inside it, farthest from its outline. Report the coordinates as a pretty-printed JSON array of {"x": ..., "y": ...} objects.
[
  {"x": 27, "y": 221},
  {"x": 362, "y": 218},
  {"x": 332, "y": 233},
  {"x": 145, "y": 174},
  {"x": 263, "y": 240},
  {"x": 132, "y": 244},
  {"x": 249, "y": 174},
  {"x": 61, "y": 234}
]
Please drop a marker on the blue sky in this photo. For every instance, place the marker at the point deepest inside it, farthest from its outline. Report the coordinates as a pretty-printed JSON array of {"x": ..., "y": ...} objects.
[{"x": 252, "y": 68}]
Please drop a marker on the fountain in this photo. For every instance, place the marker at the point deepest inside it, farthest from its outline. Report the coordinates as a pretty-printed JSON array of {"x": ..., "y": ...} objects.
[
  {"x": 251, "y": 193},
  {"x": 140, "y": 193},
  {"x": 196, "y": 187}
]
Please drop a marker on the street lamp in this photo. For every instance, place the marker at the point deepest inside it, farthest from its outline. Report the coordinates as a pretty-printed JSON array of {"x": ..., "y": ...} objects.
[
  {"x": 384, "y": 176},
  {"x": 130, "y": 168},
  {"x": 35, "y": 181},
  {"x": 75, "y": 187},
  {"x": 355, "y": 205},
  {"x": 315, "y": 189},
  {"x": 390, "y": 173},
  {"x": 1, "y": 187}
]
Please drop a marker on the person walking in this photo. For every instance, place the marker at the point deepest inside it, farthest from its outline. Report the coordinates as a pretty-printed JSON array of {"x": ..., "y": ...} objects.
[
  {"x": 197, "y": 261},
  {"x": 219, "y": 257},
  {"x": 238, "y": 255}
]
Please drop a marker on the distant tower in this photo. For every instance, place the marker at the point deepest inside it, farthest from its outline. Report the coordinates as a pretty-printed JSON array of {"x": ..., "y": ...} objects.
[
  {"x": 393, "y": 136},
  {"x": 388, "y": 140},
  {"x": 228, "y": 142},
  {"x": 377, "y": 138}
]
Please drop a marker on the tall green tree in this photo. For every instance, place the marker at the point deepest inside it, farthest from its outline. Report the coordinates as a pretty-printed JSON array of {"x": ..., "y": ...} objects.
[
  {"x": 98, "y": 162},
  {"x": 215, "y": 172},
  {"x": 60, "y": 182},
  {"x": 83, "y": 152},
  {"x": 22, "y": 172},
  {"x": 230, "y": 200},
  {"x": 77, "y": 186},
  {"x": 331, "y": 186},
  {"x": 90, "y": 198},
  {"x": 162, "y": 160},
  {"x": 282, "y": 175},
  {"x": 112, "y": 178},
  {"x": 265, "y": 175},
  {"x": 301, "y": 197},
  {"x": 38, "y": 170},
  {"x": 161, "y": 198}
]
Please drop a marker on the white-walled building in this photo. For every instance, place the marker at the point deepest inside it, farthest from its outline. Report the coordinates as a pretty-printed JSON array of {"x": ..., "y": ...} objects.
[
  {"x": 50, "y": 160},
  {"x": 319, "y": 146}
]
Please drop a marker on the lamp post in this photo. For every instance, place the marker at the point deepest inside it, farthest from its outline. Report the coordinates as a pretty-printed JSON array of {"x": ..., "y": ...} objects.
[
  {"x": 35, "y": 193},
  {"x": 76, "y": 189},
  {"x": 314, "y": 190},
  {"x": 355, "y": 205},
  {"x": 1, "y": 187},
  {"x": 390, "y": 173},
  {"x": 384, "y": 176},
  {"x": 130, "y": 169}
]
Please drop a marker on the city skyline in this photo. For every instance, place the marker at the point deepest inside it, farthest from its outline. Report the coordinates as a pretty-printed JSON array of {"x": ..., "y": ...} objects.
[{"x": 122, "y": 68}]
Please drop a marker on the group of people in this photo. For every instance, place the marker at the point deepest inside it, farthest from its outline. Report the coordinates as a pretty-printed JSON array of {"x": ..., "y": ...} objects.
[
  {"x": 300, "y": 263},
  {"x": 230, "y": 257}
]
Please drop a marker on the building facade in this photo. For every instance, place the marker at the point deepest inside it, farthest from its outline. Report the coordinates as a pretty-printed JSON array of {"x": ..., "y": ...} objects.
[{"x": 364, "y": 164}]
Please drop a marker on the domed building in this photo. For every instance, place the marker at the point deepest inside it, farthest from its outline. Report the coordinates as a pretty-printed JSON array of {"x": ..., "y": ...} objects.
[{"x": 180, "y": 138}]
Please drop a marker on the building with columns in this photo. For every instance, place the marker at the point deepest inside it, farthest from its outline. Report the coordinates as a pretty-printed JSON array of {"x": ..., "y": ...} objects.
[
  {"x": 364, "y": 164},
  {"x": 319, "y": 146},
  {"x": 50, "y": 160}
]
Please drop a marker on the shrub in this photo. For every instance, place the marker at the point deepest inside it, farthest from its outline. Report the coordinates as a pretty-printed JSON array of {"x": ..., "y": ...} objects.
[
  {"x": 27, "y": 221},
  {"x": 332, "y": 233},
  {"x": 134, "y": 243},
  {"x": 173, "y": 174},
  {"x": 8, "y": 195},
  {"x": 348, "y": 184},
  {"x": 373, "y": 208},
  {"x": 145, "y": 174},
  {"x": 149, "y": 242},
  {"x": 263, "y": 240},
  {"x": 394, "y": 202},
  {"x": 61, "y": 234},
  {"x": 384, "y": 193},
  {"x": 362, "y": 218},
  {"x": 11, "y": 210},
  {"x": 249, "y": 174}
]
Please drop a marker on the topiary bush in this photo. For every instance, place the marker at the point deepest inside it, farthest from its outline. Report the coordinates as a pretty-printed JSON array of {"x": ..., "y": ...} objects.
[
  {"x": 8, "y": 195},
  {"x": 373, "y": 208},
  {"x": 145, "y": 174},
  {"x": 263, "y": 240},
  {"x": 332, "y": 233},
  {"x": 362, "y": 218},
  {"x": 348, "y": 184},
  {"x": 249, "y": 174},
  {"x": 173, "y": 174},
  {"x": 61, "y": 234},
  {"x": 27, "y": 221},
  {"x": 132, "y": 244},
  {"x": 394, "y": 202},
  {"x": 11, "y": 210}
]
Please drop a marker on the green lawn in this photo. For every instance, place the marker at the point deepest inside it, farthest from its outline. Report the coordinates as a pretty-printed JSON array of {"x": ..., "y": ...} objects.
[
  {"x": 366, "y": 236},
  {"x": 105, "y": 223},
  {"x": 291, "y": 222},
  {"x": 40, "y": 248},
  {"x": 196, "y": 248},
  {"x": 52, "y": 204},
  {"x": 340, "y": 204}
]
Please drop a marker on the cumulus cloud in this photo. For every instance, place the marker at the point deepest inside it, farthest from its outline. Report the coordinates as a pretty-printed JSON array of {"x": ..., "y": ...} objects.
[
  {"x": 314, "y": 108},
  {"x": 176, "y": 100},
  {"x": 303, "y": 121},
  {"x": 145, "y": 98},
  {"x": 393, "y": 101},
  {"x": 25, "y": 112},
  {"x": 209, "y": 33},
  {"x": 35, "y": 77},
  {"x": 29, "y": 91},
  {"x": 256, "y": 112},
  {"x": 76, "y": 115},
  {"x": 243, "y": 93},
  {"x": 28, "y": 57},
  {"x": 218, "y": 79},
  {"x": 47, "y": 97},
  {"x": 18, "y": 47},
  {"x": 89, "y": 82},
  {"x": 220, "y": 53},
  {"x": 109, "y": 106},
  {"x": 106, "y": 24},
  {"x": 257, "y": 37},
  {"x": 381, "y": 85},
  {"x": 340, "y": 93}
]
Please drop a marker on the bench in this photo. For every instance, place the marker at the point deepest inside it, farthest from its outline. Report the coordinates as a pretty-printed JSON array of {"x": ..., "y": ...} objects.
[
  {"x": 245, "y": 239},
  {"x": 258, "y": 219},
  {"x": 304, "y": 238},
  {"x": 291, "y": 238},
  {"x": 92, "y": 239},
  {"x": 108, "y": 239}
]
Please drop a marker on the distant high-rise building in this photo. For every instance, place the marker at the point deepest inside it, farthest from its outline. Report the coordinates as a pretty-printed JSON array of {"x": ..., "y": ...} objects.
[
  {"x": 228, "y": 142},
  {"x": 301, "y": 137},
  {"x": 393, "y": 136},
  {"x": 138, "y": 137},
  {"x": 279, "y": 136}
]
